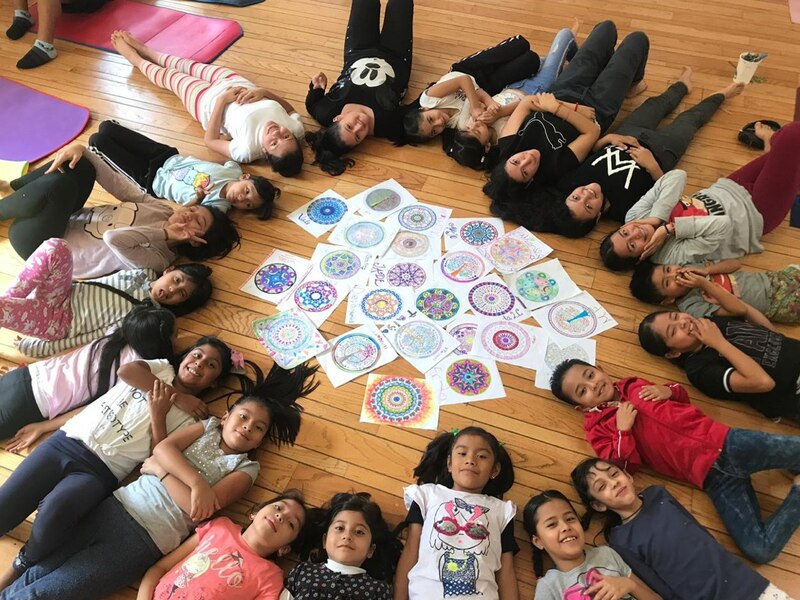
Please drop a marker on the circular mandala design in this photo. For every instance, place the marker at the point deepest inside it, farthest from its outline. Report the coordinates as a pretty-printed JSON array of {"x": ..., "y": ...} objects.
[
  {"x": 409, "y": 244},
  {"x": 491, "y": 299},
  {"x": 417, "y": 218},
  {"x": 340, "y": 264},
  {"x": 396, "y": 400},
  {"x": 275, "y": 278},
  {"x": 510, "y": 253},
  {"x": 465, "y": 334},
  {"x": 315, "y": 296},
  {"x": 478, "y": 233},
  {"x": 383, "y": 200},
  {"x": 287, "y": 334},
  {"x": 381, "y": 304},
  {"x": 572, "y": 319},
  {"x": 438, "y": 304},
  {"x": 406, "y": 275},
  {"x": 537, "y": 286},
  {"x": 506, "y": 340},
  {"x": 462, "y": 266},
  {"x": 355, "y": 352},
  {"x": 364, "y": 234},
  {"x": 326, "y": 210},
  {"x": 468, "y": 377},
  {"x": 419, "y": 339}
]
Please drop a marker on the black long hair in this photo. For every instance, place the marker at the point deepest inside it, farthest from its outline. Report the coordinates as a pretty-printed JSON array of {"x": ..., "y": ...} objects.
[
  {"x": 467, "y": 150},
  {"x": 329, "y": 149},
  {"x": 652, "y": 342},
  {"x": 388, "y": 548},
  {"x": 433, "y": 466},
  {"x": 146, "y": 329},
  {"x": 580, "y": 481},
  {"x": 199, "y": 275},
  {"x": 530, "y": 520},
  {"x": 306, "y": 531},
  {"x": 221, "y": 238}
]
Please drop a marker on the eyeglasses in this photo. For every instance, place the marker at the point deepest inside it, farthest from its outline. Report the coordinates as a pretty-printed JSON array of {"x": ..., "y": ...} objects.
[{"x": 449, "y": 526}]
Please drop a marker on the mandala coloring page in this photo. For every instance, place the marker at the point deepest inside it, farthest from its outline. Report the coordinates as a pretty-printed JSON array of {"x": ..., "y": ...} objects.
[
  {"x": 413, "y": 246},
  {"x": 463, "y": 328},
  {"x": 400, "y": 273},
  {"x": 377, "y": 305},
  {"x": 515, "y": 250},
  {"x": 511, "y": 343},
  {"x": 355, "y": 353},
  {"x": 462, "y": 265},
  {"x": 473, "y": 231},
  {"x": 542, "y": 284},
  {"x": 466, "y": 378},
  {"x": 490, "y": 297},
  {"x": 424, "y": 218},
  {"x": 322, "y": 213},
  {"x": 439, "y": 303},
  {"x": 316, "y": 296},
  {"x": 579, "y": 317},
  {"x": 382, "y": 200},
  {"x": 557, "y": 351},
  {"x": 420, "y": 341},
  {"x": 337, "y": 263},
  {"x": 402, "y": 401},
  {"x": 277, "y": 276},
  {"x": 361, "y": 233},
  {"x": 290, "y": 337}
]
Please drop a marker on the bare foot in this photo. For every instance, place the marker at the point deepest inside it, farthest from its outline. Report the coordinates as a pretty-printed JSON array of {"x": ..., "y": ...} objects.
[
  {"x": 142, "y": 49},
  {"x": 686, "y": 79},
  {"x": 637, "y": 89},
  {"x": 732, "y": 90},
  {"x": 764, "y": 133},
  {"x": 576, "y": 25},
  {"x": 122, "y": 46},
  {"x": 7, "y": 577}
]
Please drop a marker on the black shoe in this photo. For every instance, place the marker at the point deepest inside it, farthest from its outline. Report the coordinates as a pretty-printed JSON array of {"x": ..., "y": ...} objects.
[
  {"x": 36, "y": 57},
  {"x": 19, "y": 26}
]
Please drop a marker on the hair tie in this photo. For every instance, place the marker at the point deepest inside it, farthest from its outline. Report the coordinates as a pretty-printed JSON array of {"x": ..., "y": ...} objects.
[
  {"x": 237, "y": 361},
  {"x": 455, "y": 431}
]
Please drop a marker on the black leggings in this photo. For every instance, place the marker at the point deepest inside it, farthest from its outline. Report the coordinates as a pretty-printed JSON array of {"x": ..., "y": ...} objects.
[
  {"x": 496, "y": 67},
  {"x": 394, "y": 43},
  {"x": 132, "y": 153},
  {"x": 17, "y": 405},
  {"x": 42, "y": 205}
]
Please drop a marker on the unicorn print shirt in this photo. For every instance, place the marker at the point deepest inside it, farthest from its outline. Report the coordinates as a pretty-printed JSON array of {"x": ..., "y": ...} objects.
[
  {"x": 182, "y": 177},
  {"x": 572, "y": 585},
  {"x": 460, "y": 545}
]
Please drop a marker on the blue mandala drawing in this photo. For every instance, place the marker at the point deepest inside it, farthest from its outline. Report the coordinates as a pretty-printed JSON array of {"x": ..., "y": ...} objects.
[
  {"x": 468, "y": 377},
  {"x": 417, "y": 218},
  {"x": 406, "y": 275},
  {"x": 275, "y": 278},
  {"x": 491, "y": 299},
  {"x": 287, "y": 333},
  {"x": 364, "y": 234},
  {"x": 356, "y": 352},
  {"x": 326, "y": 210},
  {"x": 438, "y": 304},
  {"x": 340, "y": 264},
  {"x": 478, "y": 233},
  {"x": 315, "y": 296},
  {"x": 419, "y": 339}
]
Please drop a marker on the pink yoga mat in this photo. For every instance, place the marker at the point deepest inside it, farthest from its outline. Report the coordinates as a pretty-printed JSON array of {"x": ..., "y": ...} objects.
[
  {"x": 35, "y": 124},
  {"x": 794, "y": 10},
  {"x": 190, "y": 36}
]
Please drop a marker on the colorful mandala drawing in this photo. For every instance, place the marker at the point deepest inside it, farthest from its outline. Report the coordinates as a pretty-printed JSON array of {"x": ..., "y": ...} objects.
[
  {"x": 465, "y": 334},
  {"x": 478, "y": 233},
  {"x": 555, "y": 355},
  {"x": 398, "y": 401},
  {"x": 275, "y": 278},
  {"x": 382, "y": 200},
  {"x": 462, "y": 266},
  {"x": 572, "y": 319},
  {"x": 417, "y": 218},
  {"x": 406, "y": 275},
  {"x": 468, "y": 377},
  {"x": 537, "y": 286},
  {"x": 438, "y": 304},
  {"x": 340, "y": 264},
  {"x": 326, "y": 210},
  {"x": 505, "y": 340},
  {"x": 356, "y": 352},
  {"x": 286, "y": 334},
  {"x": 410, "y": 245},
  {"x": 419, "y": 339},
  {"x": 510, "y": 253},
  {"x": 315, "y": 296},
  {"x": 381, "y": 304},
  {"x": 491, "y": 299},
  {"x": 364, "y": 234}
]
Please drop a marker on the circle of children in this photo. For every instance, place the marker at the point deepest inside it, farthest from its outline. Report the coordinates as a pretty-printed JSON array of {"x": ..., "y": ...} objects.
[{"x": 539, "y": 130}]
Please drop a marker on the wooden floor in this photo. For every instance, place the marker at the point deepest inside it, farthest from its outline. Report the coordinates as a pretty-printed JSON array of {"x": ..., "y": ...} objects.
[{"x": 284, "y": 44}]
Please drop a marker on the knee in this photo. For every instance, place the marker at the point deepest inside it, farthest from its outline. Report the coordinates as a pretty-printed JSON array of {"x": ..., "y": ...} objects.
[
  {"x": 55, "y": 247},
  {"x": 639, "y": 39},
  {"x": 607, "y": 27},
  {"x": 789, "y": 133},
  {"x": 758, "y": 550}
]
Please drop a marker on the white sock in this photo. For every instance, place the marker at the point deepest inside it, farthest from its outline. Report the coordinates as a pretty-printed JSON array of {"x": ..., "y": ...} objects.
[
  {"x": 48, "y": 49},
  {"x": 23, "y": 14}
]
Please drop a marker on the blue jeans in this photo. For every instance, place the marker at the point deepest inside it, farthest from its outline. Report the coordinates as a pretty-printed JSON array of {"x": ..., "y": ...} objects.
[
  {"x": 729, "y": 486},
  {"x": 108, "y": 552},
  {"x": 561, "y": 49}
]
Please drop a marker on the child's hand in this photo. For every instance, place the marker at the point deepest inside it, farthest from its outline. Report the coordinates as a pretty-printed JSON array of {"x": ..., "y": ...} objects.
[
  {"x": 692, "y": 280},
  {"x": 230, "y": 95},
  {"x": 609, "y": 588},
  {"x": 621, "y": 141},
  {"x": 151, "y": 466},
  {"x": 655, "y": 392},
  {"x": 477, "y": 110},
  {"x": 626, "y": 416},
  {"x": 588, "y": 112},
  {"x": 69, "y": 155},
  {"x": 160, "y": 398},
  {"x": 199, "y": 196},
  {"x": 547, "y": 102},
  {"x": 707, "y": 332},
  {"x": 248, "y": 95},
  {"x": 695, "y": 269},
  {"x": 25, "y": 437},
  {"x": 644, "y": 158},
  {"x": 181, "y": 232},
  {"x": 191, "y": 404},
  {"x": 204, "y": 502},
  {"x": 657, "y": 240},
  {"x": 319, "y": 81}
]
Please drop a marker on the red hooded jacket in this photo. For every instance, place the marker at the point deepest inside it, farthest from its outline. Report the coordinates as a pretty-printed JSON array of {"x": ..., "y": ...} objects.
[{"x": 673, "y": 437}]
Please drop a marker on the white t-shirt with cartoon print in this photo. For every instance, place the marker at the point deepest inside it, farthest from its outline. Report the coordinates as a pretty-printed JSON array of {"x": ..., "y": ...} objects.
[
  {"x": 460, "y": 545},
  {"x": 457, "y": 101},
  {"x": 116, "y": 426}
]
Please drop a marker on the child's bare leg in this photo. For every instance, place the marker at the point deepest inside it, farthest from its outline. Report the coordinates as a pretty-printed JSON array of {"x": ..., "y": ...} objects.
[
  {"x": 125, "y": 50},
  {"x": 142, "y": 49},
  {"x": 732, "y": 90},
  {"x": 686, "y": 79}
]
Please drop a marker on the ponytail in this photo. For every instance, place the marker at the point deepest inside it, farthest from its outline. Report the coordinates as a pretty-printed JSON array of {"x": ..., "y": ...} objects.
[{"x": 328, "y": 149}]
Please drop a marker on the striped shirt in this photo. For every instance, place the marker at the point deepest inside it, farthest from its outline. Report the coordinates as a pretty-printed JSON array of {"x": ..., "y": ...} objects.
[{"x": 95, "y": 310}]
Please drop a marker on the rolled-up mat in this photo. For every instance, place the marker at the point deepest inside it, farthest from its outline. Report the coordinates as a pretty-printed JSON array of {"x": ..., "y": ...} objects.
[
  {"x": 35, "y": 124},
  {"x": 163, "y": 29}
]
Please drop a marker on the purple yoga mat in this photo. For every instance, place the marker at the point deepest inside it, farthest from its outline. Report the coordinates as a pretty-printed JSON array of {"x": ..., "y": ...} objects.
[{"x": 35, "y": 124}]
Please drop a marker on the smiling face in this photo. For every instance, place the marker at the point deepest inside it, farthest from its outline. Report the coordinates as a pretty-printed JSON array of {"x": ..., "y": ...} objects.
[
  {"x": 559, "y": 532},
  {"x": 242, "y": 194},
  {"x": 278, "y": 140},
  {"x": 630, "y": 239},
  {"x": 349, "y": 540},
  {"x": 355, "y": 124},
  {"x": 200, "y": 368},
  {"x": 244, "y": 427},
  {"x": 611, "y": 488},
  {"x": 172, "y": 288},
  {"x": 677, "y": 330},
  {"x": 665, "y": 281},
  {"x": 586, "y": 202},
  {"x": 277, "y": 524},
  {"x": 588, "y": 386},
  {"x": 522, "y": 166},
  {"x": 196, "y": 219},
  {"x": 432, "y": 122},
  {"x": 471, "y": 464},
  {"x": 480, "y": 131}
]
